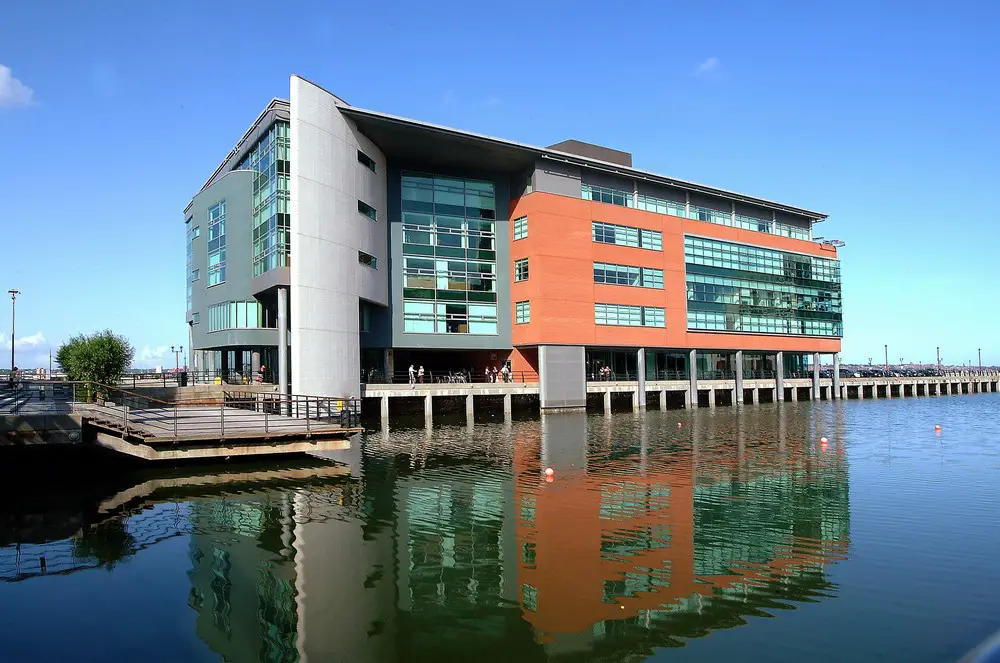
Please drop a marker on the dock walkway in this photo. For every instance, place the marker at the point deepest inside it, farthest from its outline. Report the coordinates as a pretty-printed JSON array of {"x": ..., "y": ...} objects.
[{"x": 234, "y": 424}]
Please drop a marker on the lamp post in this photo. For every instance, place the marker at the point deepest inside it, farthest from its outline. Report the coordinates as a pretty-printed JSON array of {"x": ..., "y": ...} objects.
[
  {"x": 13, "y": 310},
  {"x": 980, "y": 360},
  {"x": 177, "y": 361},
  {"x": 886, "y": 357}
]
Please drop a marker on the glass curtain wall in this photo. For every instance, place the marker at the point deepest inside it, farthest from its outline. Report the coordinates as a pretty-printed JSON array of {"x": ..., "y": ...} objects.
[
  {"x": 449, "y": 255},
  {"x": 217, "y": 243},
  {"x": 735, "y": 287},
  {"x": 269, "y": 159}
]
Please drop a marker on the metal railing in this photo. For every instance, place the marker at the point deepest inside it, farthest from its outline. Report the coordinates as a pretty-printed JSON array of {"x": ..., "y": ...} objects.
[
  {"x": 191, "y": 378},
  {"x": 448, "y": 377},
  {"x": 233, "y": 414}
]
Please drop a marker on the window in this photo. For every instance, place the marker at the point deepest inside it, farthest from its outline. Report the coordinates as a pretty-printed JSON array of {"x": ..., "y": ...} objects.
[
  {"x": 602, "y": 194},
  {"x": 646, "y": 277},
  {"x": 217, "y": 243},
  {"x": 520, "y": 228},
  {"x": 444, "y": 318},
  {"x": 735, "y": 287},
  {"x": 367, "y": 210},
  {"x": 522, "y": 312},
  {"x": 270, "y": 212},
  {"x": 196, "y": 232},
  {"x": 238, "y": 315},
  {"x": 661, "y": 205},
  {"x": 366, "y": 161},
  {"x": 629, "y": 316},
  {"x": 195, "y": 274},
  {"x": 367, "y": 260},
  {"x": 608, "y": 233},
  {"x": 195, "y": 318},
  {"x": 521, "y": 269},
  {"x": 366, "y": 318},
  {"x": 448, "y": 245}
]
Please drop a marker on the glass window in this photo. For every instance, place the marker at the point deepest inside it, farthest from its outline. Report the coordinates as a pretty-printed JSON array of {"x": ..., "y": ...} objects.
[
  {"x": 366, "y": 161},
  {"x": 367, "y": 210},
  {"x": 195, "y": 274},
  {"x": 522, "y": 312},
  {"x": 602, "y": 194},
  {"x": 617, "y": 314},
  {"x": 653, "y": 316},
  {"x": 217, "y": 243},
  {"x": 367, "y": 260},
  {"x": 646, "y": 277},
  {"x": 735, "y": 287},
  {"x": 270, "y": 221},
  {"x": 520, "y": 228},
  {"x": 608, "y": 233},
  {"x": 195, "y": 318},
  {"x": 449, "y": 232},
  {"x": 521, "y": 269}
]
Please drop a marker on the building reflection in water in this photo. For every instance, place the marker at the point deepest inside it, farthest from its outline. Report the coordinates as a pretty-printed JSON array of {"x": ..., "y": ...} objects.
[
  {"x": 451, "y": 544},
  {"x": 639, "y": 545}
]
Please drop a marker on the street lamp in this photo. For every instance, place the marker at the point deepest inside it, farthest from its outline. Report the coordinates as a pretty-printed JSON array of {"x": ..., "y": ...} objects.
[
  {"x": 980, "y": 359},
  {"x": 13, "y": 301},
  {"x": 177, "y": 361},
  {"x": 886, "y": 356}
]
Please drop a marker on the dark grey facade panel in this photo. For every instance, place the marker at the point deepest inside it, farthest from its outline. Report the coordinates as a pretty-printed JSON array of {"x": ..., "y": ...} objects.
[
  {"x": 557, "y": 177},
  {"x": 592, "y": 151},
  {"x": 401, "y": 339},
  {"x": 662, "y": 191},
  {"x": 598, "y": 178}
]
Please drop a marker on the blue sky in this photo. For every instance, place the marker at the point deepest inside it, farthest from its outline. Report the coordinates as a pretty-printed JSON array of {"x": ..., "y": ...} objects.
[{"x": 884, "y": 115}]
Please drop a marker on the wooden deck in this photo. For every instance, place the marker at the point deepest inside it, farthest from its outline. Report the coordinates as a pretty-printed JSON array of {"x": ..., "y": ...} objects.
[{"x": 180, "y": 433}]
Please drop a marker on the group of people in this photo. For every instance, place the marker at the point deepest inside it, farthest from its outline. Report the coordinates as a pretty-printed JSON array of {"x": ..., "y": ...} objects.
[
  {"x": 604, "y": 374},
  {"x": 494, "y": 375},
  {"x": 416, "y": 375}
]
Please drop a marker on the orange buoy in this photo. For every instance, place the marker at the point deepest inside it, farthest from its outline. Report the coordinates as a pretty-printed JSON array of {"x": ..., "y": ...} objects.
[
  {"x": 937, "y": 427},
  {"x": 549, "y": 471},
  {"x": 549, "y": 479},
  {"x": 823, "y": 440}
]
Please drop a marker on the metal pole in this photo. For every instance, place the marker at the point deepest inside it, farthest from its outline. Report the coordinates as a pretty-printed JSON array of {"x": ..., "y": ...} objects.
[
  {"x": 887, "y": 357},
  {"x": 13, "y": 311},
  {"x": 980, "y": 359}
]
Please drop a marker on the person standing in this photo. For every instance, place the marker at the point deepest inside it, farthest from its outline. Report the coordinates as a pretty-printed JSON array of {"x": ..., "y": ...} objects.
[
  {"x": 412, "y": 374},
  {"x": 420, "y": 374}
]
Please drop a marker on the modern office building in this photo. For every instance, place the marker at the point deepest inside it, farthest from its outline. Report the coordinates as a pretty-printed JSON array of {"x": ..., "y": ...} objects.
[{"x": 336, "y": 244}]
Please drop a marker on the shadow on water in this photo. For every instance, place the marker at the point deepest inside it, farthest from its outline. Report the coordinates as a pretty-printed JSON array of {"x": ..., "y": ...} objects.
[{"x": 452, "y": 545}]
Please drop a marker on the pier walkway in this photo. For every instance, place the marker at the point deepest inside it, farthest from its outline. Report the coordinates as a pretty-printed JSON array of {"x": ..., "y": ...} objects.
[
  {"x": 232, "y": 424},
  {"x": 703, "y": 393}
]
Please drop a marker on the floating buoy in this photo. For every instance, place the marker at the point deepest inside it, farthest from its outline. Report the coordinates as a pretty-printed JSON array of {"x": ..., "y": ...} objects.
[
  {"x": 622, "y": 607},
  {"x": 549, "y": 471},
  {"x": 937, "y": 427},
  {"x": 680, "y": 425},
  {"x": 823, "y": 440},
  {"x": 549, "y": 479}
]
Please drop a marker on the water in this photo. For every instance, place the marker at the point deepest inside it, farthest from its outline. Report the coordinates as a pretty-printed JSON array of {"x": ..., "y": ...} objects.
[{"x": 720, "y": 538}]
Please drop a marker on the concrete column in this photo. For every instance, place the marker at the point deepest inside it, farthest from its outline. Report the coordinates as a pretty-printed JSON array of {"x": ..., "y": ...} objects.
[
  {"x": 693, "y": 377},
  {"x": 755, "y": 396},
  {"x": 470, "y": 412},
  {"x": 639, "y": 400},
  {"x": 795, "y": 393},
  {"x": 384, "y": 407},
  {"x": 739, "y": 376},
  {"x": 635, "y": 401},
  {"x": 815, "y": 390},
  {"x": 663, "y": 399},
  {"x": 687, "y": 399},
  {"x": 861, "y": 392},
  {"x": 389, "y": 363},
  {"x": 507, "y": 407},
  {"x": 949, "y": 389},
  {"x": 254, "y": 365},
  {"x": 711, "y": 397},
  {"x": 283, "y": 341},
  {"x": 607, "y": 402},
  {"x": 836, "y": 375},
  {"x": 428, "y": 410},
  {"x": 779, "y": 376}
]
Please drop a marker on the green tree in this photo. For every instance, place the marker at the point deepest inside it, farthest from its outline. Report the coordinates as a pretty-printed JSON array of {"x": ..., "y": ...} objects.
[{"x": 102, "y": 357}]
